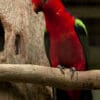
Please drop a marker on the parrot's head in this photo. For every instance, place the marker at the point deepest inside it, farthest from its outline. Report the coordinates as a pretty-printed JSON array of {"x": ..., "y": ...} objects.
[{"x": 38, "y": 5}]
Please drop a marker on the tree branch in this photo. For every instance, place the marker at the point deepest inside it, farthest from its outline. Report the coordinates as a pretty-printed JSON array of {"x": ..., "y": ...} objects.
[{"x": 50, "y": 76}]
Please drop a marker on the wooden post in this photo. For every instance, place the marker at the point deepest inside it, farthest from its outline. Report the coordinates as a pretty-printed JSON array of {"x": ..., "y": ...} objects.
[{"x": 22, "y": 43}]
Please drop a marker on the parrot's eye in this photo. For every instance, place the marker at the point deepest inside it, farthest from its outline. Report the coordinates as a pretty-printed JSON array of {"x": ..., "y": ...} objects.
[{"x": 44, "y": 1}]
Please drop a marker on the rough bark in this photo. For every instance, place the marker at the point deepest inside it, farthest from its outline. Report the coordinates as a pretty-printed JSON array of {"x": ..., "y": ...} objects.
[{"x": 23, "y": 44}]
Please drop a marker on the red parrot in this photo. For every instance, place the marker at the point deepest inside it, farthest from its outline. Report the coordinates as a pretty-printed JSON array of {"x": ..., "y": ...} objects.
[{"x": 66, "y": 44}]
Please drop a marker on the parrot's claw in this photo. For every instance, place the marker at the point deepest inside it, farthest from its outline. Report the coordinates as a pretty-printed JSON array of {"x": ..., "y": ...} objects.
[
  {"x": 61, "y": 68},
  {"x": 72, "y": 69}
]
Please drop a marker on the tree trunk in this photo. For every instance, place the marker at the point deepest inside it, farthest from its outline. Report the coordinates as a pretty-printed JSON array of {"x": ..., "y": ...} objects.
[{"x": 21, "y": 42}]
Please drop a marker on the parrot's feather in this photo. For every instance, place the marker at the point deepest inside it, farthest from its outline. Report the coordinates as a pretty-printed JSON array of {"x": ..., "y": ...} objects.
[{"x": 82, "y": 33}]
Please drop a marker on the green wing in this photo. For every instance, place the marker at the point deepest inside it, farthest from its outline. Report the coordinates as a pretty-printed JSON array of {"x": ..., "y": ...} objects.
[{"x": 83, "y": 37}]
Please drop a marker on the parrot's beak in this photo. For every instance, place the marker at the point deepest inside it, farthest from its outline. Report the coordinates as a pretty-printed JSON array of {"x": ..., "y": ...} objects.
[
  {"x": 37, "y": 7},
  {"x": 34, "y": 7}
]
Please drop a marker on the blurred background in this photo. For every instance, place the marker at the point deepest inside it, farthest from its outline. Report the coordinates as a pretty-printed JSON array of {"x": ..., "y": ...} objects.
[{"x": 89, "y": 12}]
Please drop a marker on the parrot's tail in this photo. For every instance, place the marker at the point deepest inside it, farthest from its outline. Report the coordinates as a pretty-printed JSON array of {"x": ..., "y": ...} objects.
[{"x": 73, "y": 95}]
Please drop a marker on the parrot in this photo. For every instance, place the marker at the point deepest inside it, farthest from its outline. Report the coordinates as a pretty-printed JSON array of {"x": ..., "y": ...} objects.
[{"x": 66, "y": 44}]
